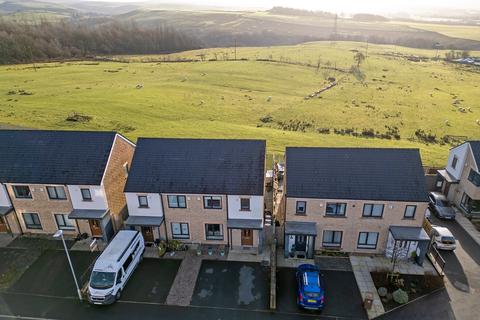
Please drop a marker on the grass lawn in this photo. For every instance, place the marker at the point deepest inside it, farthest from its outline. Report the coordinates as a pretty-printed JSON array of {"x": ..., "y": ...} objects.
[{"x": 227, "y": 99}]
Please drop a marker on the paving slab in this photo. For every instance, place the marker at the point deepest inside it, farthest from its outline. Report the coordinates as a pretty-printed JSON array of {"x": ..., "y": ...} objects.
[{"x": 181, "y": 291}]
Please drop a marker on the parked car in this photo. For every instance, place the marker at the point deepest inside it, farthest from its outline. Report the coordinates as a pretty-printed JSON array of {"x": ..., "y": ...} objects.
[
  {"x": 310, "y": 287},
  {"x": 443, "y": 239},
  {"x": 115, "y": 266},
  {"x": 440, "y": 206}
]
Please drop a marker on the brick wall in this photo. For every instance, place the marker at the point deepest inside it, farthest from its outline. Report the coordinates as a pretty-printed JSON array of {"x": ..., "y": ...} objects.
[
  {"x": 43, "y": 206},
  {"x": 196, "y": 217},
  {"x": 354, "y": 223},
  {"x": 115, "y": 179}
]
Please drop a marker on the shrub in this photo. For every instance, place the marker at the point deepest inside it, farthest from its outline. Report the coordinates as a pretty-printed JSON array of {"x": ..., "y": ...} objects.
[
  {"x": 266, "y": 119},
  {"x": 382, "y": 291},
  {"x": 400, "y": 296},
  {"x": 323, "y": 130},
  {"x": 77, "y": 117}
]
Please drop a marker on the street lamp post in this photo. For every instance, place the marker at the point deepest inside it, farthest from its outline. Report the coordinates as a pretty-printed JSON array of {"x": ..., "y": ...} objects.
[{"x": 59, "y": 234}]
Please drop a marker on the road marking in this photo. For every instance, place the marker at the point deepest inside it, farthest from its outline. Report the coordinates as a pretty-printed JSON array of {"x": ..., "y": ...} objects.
[{"x": 22, "y": 317}]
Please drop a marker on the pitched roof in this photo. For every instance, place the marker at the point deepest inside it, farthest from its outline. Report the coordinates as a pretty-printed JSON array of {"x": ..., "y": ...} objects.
[
  {"x": 355, "y": 173},
  {"x": 475, "y": 145},
  {"x": 54, "y": 157},
  {"x": 198, "y": 166}
]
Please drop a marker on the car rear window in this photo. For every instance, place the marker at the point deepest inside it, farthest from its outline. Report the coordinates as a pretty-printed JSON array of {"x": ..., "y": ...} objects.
[{"x": 448, "y": 240}]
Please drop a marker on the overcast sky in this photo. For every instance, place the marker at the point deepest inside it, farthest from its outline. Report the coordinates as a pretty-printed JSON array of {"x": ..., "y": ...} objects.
[{"x": 333, "y": 5}]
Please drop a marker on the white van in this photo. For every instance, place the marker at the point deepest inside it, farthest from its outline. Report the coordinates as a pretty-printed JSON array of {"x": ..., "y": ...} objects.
[
  {"x": 115, "y": 266},
  {"x": 443, "y": 239}
]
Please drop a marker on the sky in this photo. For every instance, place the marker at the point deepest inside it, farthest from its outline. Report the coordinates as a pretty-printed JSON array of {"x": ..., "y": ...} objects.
[{"x": 333, "y": 5}]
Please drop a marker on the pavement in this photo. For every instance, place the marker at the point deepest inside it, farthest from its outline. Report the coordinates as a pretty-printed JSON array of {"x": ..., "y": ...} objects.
[{"x": 181, "y": 291}]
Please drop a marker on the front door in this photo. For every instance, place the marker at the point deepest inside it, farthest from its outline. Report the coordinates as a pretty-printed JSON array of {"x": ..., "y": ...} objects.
[
  {"x": 247, "y": 237},
  {"x": 3, "y": 225},
  {"x": 301, "y": 243},
  {"x": 95, "y": 228},
  {"x": 147, "y": 233}
]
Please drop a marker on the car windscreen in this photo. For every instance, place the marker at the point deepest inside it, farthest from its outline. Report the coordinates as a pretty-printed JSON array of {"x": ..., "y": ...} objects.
[
  {"x": 442, "y": 203},
  {"x": 102, "y": 280}
]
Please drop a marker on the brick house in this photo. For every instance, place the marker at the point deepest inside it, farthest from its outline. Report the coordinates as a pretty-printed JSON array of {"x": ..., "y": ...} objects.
[
  {"x": 355, "y": 200},
  {"x": 201, "y": 191},
  {"x": 69, "y": 180},
  {"x": 460, "y": 180}
]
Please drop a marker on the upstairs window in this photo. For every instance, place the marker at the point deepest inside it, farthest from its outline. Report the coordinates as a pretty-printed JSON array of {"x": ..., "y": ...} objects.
[
  {"x": 86, "y": 195},
  {"x": 454, "y": 162},
  {"x": 474, "y": 177},
  {"x": 336, "y": 209},
  {"x": 212, "y": 202},
  {"x": 301, "y": 207},
  {"x": 373, "y": 210},
  {"x": 143, "y": 201},
  {"x": 56, "y": 193},
  {"x": 175, "y": 201},
  {"x": 245, "y": 204},
  {"x": 410, "y": 212},
  {"x": 22, "y": 192}
]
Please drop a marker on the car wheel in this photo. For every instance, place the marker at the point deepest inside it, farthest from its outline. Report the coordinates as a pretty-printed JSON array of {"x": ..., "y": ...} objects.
[{"x": 118, "y": 295}]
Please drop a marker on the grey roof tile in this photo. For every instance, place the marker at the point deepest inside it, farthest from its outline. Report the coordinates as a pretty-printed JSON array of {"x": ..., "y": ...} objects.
[
  {"x": 198, "y": 166},
  {"x": 54, "y": 157},
  {"x": 355, "y": 173}
]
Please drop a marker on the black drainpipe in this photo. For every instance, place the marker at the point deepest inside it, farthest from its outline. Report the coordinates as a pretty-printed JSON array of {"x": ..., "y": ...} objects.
[{"x": 164, "y": 216}]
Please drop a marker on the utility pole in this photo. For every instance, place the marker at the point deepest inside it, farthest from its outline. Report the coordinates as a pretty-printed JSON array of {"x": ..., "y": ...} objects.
[
  {"x": 366, "y": 51},
  {"x": 235, "y": 49},
  {"x": 335, "y": 27}
]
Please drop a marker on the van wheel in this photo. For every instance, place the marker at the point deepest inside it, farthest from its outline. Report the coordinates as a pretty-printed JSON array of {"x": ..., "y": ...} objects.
[{"x": 118, "y": 295}]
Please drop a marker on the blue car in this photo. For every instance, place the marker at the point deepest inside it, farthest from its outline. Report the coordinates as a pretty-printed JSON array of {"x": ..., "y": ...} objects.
[{"x": 310, "y": 287}]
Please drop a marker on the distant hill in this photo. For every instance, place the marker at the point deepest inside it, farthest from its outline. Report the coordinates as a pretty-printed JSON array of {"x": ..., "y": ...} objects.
[
  {"x": 21, "y": 6},
  {"x": 367, "y": 17}
]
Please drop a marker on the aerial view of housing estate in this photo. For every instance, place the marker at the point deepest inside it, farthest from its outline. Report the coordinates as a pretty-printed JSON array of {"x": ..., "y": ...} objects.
[{"x": 222, "y": 159}]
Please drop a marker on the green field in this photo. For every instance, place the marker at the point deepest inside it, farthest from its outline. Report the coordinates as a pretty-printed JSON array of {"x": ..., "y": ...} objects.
[
  {"x": 455, "y": 31},
  {"x": 141, "y": 96}
]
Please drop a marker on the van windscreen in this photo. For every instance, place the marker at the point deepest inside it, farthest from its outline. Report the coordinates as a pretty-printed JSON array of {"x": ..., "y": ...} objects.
[{"x": 102, "y": 280}]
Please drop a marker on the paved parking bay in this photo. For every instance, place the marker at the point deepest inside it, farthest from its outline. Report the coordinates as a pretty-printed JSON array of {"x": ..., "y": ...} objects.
[
  {"x": 151, "y": 281},
  {"x": 51, "y": 275},
  {"x": 232, "y": 284},
  {"x": 342, "y": 298}
]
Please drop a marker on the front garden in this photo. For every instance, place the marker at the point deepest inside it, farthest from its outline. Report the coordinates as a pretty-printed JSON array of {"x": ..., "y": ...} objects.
[{"x": 397, "y": 289}]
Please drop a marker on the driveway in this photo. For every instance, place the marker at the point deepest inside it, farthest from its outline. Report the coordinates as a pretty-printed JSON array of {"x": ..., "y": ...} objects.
[
  {"x": 232, "y": 284},
  {"x": 151, "y": 281},
  {"x": 50, "y": 274},
  {"x": 462, "y": 283},
  {"x": 342, "y": 297}
]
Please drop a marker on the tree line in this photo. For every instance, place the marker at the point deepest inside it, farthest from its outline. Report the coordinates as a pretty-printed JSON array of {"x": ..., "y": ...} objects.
[{"x": 43, "y": 41}]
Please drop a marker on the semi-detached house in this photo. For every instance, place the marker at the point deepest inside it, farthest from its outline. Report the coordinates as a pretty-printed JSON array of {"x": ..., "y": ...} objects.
[
  {"x": 69, "y": 180},
  {"x": 201, "y": 191},
  {"x": 355, "y": 200},
  {"x": 460, "y": 180}
]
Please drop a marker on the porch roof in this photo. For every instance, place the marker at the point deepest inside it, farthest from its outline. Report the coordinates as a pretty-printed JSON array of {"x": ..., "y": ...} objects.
[
  {"x": 301, "y": 228},
  {"x": 5, "y": 210},
  {"x": 87, "y": 214},
  {"x": 244, "y": 224},
  {"x": 447, "y": 176},
  {"x": 144, "y": 221},
  {"x": 409, "y": 233}
]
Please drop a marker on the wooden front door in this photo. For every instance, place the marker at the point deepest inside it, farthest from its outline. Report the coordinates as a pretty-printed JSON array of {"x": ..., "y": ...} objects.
[
  {"x": 247, "y": 237},
  {"x": 95, "y": 228},
  {"x": 147, "y": 233},
  {"x": 3, "y": 224}
]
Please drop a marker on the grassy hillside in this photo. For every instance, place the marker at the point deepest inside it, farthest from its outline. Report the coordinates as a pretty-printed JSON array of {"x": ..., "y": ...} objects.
[
  {"x": 254, "y": 99},
  {"x": 454, "y": 31}
]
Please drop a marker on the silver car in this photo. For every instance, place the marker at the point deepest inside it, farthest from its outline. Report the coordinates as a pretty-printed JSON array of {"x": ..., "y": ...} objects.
[{"x": 440, "y": 206}]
